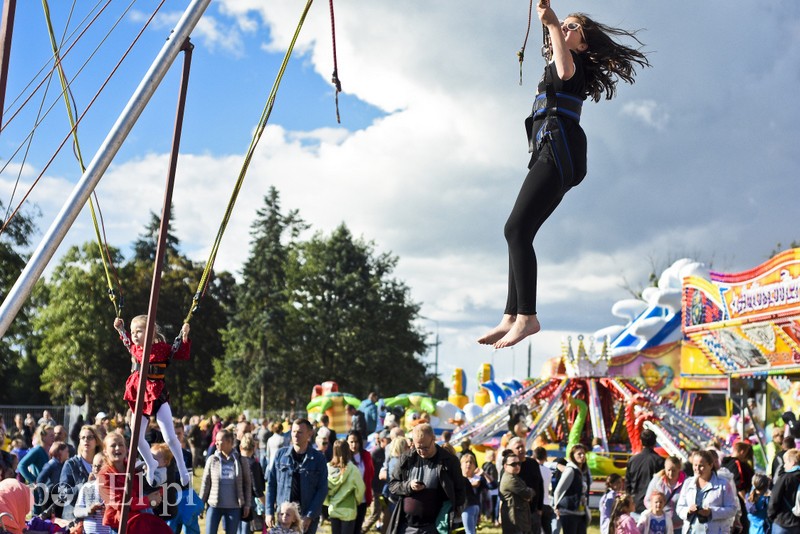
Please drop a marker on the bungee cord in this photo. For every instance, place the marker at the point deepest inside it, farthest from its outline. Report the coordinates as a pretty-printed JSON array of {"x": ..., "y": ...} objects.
[
  {"x": 78, "y": 121},
  {"x": 202, "y": 286},
  {"x": 69, "y": 101},
  {"x": 52, "y": 69}
]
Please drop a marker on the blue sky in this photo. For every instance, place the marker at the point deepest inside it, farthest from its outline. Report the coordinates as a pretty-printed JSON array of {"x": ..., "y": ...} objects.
[{"x": 698, "y": 158}]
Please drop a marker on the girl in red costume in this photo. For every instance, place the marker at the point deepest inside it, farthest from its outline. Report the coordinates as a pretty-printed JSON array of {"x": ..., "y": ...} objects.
[{"x": 156, "y": 396}]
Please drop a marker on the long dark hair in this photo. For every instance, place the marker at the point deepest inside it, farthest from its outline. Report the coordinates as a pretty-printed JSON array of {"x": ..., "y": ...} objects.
[{"x": 606, "y": 61}]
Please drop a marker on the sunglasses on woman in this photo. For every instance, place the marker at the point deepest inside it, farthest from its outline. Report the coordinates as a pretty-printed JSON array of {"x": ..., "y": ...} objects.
[
  {"x": 573, "y": 27},
  {"x": 513, "y": 464}
]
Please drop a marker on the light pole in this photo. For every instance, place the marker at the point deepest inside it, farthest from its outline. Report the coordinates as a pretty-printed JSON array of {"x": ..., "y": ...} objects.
[{"x": 435, "y": 351}]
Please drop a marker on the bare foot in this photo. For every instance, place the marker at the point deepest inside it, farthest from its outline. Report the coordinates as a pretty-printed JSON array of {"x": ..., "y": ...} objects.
[
  {"x": 524, "y": 326},
  {"x": 493, "y": 335}
]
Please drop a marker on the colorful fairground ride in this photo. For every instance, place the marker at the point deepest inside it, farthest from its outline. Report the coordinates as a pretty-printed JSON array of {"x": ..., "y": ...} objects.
[
  {"x": 581, "y": 402},
  {"x": 742, "y": 340}
]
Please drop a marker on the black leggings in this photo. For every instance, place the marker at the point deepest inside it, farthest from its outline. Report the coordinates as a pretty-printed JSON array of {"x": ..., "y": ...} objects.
[{"x": 539, "y": 196}]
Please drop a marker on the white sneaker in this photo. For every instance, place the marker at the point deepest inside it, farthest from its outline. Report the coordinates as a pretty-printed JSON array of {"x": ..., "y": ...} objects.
[{"x": 157, "y": 476}]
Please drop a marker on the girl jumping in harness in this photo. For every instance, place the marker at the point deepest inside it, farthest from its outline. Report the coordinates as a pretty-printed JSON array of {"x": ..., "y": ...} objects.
[
  {"x": 584, "y": 61},
  {"x": 156, "y": 396}
]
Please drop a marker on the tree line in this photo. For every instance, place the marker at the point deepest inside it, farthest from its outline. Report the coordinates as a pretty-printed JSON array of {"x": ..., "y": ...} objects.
[{"x": 302, "y": 311}]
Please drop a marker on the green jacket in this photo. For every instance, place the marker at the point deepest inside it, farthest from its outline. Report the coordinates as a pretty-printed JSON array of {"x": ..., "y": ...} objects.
[{"x": 345, "y": 492}]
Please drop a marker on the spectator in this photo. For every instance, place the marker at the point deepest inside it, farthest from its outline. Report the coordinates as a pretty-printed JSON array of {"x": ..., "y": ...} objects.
[
  {"x": 668, "y": 481},
  {"x": 102, "y": 424},
  {"x": 46, "y": 419},
  {"x": 358, "y": 423},
  {"x": 707, "y": 501},
  {"x": 31, "y": 465},
  {"x": 614, "y": 487},
  {"x": 247, "y": 449},
  {"x": 363, "y": 461},
  {"x": 531, "y": 474},
  {"x": 757, "y": 503},
  {"x": 298, "y": 474},
  {"x": 655, "y": 520},
  {"x": 48, "y": 480},
  {"x": 16, "y": 500},
  {"x": 89, "y": 505},
  {"x": 491, "y": 507},
  {"x": 262, "y": 435},
  {"x": 397, "y": 447},
  {"x": 345, "y": 490},
  {"x": 621, "y": 521},
  {"x": 474, "y": 487},
  {"x": 787, "y": 444},
  {"x": 515, "y": 497},
  {"x": 77, "y": 469},
  {"x": 111, "y": 483},
  {"x": 571, "y": 496},
  {"x": 377, "y": 512},
  {"x": 540, "y": 455},
  {"x": 740, "y": 464},
  {"x": 60, "y": 434},
  {"x": 429, "y": 485},
  {"x": 274, "y": 443},
  {"x": 641, "y": 468},
  {"x": 784, "y": 494},
  {"x": 369, "y": 407},
  {"x": 21, "y": 431},
  {"x": 289, "y": 521},
  {"x": 226, "y": 488}
]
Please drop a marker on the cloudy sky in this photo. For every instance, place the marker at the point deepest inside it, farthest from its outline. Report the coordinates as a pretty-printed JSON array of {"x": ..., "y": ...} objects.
[{"x": 699, "y": 158}]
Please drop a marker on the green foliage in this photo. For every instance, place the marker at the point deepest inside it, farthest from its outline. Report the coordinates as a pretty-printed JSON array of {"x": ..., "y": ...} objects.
[
  {"x": 19, "y": 371},
  {"x": 780, "y": 248},
  {"x": 257, "y": 338},
  {"x": 79, "y": 350},
  {"x": 352, "y": 322}
]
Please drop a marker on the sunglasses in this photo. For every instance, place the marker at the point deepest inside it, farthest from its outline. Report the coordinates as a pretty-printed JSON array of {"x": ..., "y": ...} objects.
[
  {"x": 513, "y": 464},
  {"x": 573, "y": 27}
]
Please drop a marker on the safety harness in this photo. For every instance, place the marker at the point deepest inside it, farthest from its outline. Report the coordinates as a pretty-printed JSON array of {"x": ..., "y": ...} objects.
[
  {"x": 155, "y": 371},
  {"x": 553, "y": 106}
]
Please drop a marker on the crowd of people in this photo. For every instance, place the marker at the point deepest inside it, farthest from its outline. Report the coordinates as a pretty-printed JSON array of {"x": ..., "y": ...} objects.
[{"x": 282, "y": 476}]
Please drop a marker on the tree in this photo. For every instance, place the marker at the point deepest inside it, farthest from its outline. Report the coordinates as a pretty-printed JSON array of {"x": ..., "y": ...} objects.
[
  {"x": 144, "y": 249},
  {"x": 81, "y": 356},
  {"x": 19, "y": 371},
  {"x": 188, "y": 381},
  {"x": 352, "y": 323},
  {"x": 256, "y": 339}
]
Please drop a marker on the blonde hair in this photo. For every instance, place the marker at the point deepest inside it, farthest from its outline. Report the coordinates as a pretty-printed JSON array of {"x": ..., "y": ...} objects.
[
  {"x": 398, "y": 446},
  {"x": 247, "y": 444},
  {"x": 293, "y": 507},
  {"x": 159, "y": 335}
]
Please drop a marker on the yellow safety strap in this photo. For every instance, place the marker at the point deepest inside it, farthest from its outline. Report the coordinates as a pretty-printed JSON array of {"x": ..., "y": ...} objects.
[
  {"x": 262, "y": 124},
  {"x": 112, "y": 294}
]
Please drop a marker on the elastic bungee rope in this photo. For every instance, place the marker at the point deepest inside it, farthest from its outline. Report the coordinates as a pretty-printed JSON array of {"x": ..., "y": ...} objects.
[
  {"x": 106, "y": 258},
  {"x": 202, "y": 286},
  {"x": 335, "y": 79}
]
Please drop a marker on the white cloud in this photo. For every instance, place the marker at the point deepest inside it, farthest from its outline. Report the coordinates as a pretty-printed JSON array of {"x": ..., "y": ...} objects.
[
  {"x": 675, "y": 166},
  {"x": 647, "y": 111}
]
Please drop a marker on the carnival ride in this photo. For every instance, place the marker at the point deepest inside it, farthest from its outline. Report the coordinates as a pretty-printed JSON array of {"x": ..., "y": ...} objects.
[{"x": 617, "y": 409}]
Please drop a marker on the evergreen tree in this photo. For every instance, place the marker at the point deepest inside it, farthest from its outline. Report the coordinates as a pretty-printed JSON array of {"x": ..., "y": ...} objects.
[
  {"x": 188, "y": 381},
  {"x": 257, "y": 360},
  {"x": 352, "y": 323}
]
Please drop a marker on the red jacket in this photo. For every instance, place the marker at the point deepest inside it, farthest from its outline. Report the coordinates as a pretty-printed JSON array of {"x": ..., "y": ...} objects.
[
  {"x": 159, "y": 353},
  {"x": 111, "y": 484},
  {"x": 369, "y": 473}
]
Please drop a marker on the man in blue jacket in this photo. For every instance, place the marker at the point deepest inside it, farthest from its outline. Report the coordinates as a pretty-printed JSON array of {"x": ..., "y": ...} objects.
[{"x": 298, "y": 474}]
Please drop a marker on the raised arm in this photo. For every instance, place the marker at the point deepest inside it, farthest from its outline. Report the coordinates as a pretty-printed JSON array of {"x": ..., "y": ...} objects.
[{"x": 561, "y": 54}]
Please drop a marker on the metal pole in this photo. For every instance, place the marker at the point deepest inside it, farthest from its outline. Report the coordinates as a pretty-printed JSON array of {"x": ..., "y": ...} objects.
[
  {"x": 6, "y": 31},
  {"x": 155, "y": 287},
  {"x": 94, "y": 171}
]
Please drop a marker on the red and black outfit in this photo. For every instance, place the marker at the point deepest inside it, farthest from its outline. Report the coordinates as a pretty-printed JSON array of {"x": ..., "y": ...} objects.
[{"x": 161, "y": 354}]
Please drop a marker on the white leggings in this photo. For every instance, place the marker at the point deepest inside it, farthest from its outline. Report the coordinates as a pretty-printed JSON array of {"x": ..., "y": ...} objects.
[{"x": 167, "y": 426}]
